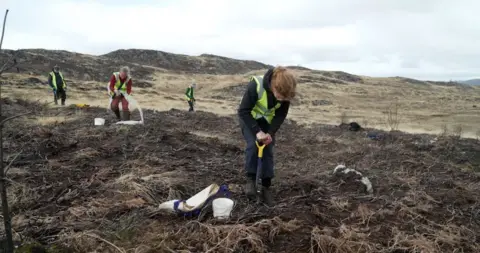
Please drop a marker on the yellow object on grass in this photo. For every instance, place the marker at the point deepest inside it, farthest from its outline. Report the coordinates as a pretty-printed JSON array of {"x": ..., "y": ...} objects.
[{"x": 82, "y": 105}]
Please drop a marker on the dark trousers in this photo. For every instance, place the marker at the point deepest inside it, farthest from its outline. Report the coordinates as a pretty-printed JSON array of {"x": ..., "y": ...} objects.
[
  {"x": 60, "y": 94},
  {"x": 251, "y": 158},
  {"x": 190, "y": 103}
]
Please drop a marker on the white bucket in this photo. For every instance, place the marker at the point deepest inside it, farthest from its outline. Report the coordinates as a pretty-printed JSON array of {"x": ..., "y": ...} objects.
[
  {"x": 222, "y": 207},
  {"x": 99, "y": 122}
]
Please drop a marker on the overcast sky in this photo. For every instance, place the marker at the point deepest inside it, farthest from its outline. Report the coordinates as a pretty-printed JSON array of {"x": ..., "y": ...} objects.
[{"x": 424, "y": 39}]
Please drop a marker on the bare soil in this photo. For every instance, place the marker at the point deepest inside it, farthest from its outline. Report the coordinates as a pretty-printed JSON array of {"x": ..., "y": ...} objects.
[{"x": 75, "y": 187}]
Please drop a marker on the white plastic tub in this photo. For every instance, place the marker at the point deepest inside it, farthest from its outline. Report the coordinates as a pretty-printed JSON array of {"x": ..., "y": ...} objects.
[
  {"x": 222, "y": 208},
  {"x": 99, "y": 122}
]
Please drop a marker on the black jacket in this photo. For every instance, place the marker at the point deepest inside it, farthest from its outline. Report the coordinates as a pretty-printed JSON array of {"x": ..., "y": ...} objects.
[
  {"x": 58, "y": 80},
  {"x": 250, "y": 99}
]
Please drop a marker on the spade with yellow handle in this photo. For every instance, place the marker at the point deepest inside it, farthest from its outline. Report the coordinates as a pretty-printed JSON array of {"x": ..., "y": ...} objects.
[{"x": 258, "y": 180}]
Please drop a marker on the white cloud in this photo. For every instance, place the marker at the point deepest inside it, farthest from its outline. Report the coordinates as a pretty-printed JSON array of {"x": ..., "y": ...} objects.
[{"x": 429, "y": 39}]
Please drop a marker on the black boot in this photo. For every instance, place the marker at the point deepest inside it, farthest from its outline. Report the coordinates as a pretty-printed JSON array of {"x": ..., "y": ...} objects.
[
  {"x": 63, "y": 101},
  {"x": 125, "y": 115},
  {"x": 250, "y": 190},
  {"x": 117, "y": 113},
  {"x": 267, "y": 196}
]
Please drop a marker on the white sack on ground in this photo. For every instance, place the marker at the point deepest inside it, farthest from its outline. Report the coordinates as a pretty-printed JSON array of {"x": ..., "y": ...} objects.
[
  {"x": 194, "y": 203},
  {"x": 342, "y": 169}
]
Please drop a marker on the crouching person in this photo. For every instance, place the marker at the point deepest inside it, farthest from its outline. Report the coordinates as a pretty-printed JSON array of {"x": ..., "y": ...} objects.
[
  {"x": 262, "y": 111},
  {"x": 120, "y": 82}
]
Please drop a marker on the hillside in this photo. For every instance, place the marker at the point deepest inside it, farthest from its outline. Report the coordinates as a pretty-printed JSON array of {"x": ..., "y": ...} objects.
[
  {"x": 328, "y": 97},
  {"x": 76, "y": 187},
  {"x": 144, "y": 63},
  {"x": 209, "y": 64},
  {"x": 471, "y": 82}
]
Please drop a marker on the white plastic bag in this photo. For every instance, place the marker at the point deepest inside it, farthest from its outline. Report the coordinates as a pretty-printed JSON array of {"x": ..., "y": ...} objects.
[{"x": 132, "y": 105}]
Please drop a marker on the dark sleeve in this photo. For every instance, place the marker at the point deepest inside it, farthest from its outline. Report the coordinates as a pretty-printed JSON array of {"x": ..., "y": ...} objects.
[
  {"x": 50, "y": 80},
  {"x": 280, "y": 115},
  {"x": 248, "y": 102}
]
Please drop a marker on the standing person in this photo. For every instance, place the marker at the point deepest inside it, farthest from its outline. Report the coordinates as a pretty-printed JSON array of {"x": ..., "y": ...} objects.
[
  {"x": 120, "y": 82},
  {"x": 57, "y": 82},
  {"x": 189, "y": 96},
  {"x": 262, "y": 111}
]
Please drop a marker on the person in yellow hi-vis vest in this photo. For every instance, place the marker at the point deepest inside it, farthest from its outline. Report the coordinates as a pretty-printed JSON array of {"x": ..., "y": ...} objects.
[
  {"x": 189, "y": 96},
  {"x": 58, "y": 84},
  {"x": 262, "y": 111},
  {"x": 120, "y": 82}
]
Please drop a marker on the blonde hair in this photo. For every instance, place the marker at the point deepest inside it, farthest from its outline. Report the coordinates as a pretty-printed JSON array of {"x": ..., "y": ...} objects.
[{"x": 283, "y": 82}]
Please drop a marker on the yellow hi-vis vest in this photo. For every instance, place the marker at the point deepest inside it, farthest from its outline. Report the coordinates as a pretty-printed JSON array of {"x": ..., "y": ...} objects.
[
  {"x": 54, "y": 80},
  {"x": 119, "y": 85},
  {"x": 261, "y": 106}
]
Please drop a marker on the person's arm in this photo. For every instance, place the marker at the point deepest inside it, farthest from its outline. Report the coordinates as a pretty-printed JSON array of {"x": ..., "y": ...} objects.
[
  {"x": 248, "y": 102},
  {"x": 129, "y": 87},
  {"x": 50, "y": 82},
  {"x": 280, "y": 115},
  {"x": 112, "y": 82},
  {"x": 187, "y": 93},
  {"x": 112, "y": 85}
]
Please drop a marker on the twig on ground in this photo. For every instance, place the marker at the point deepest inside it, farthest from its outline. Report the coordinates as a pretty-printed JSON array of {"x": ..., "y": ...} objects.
[
  {"x": 11, "y": 161},
  {"x": 105, "y": 241}
]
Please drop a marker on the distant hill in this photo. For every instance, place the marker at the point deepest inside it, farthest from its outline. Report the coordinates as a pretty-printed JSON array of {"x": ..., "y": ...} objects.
[
  {"x": 205, "y": 63},
  {"x": 420, "y": 82},
  {"x": 145, "y": 62},
  {"x": 471, "y": 82},
  {"x": 142, "y": 62}
]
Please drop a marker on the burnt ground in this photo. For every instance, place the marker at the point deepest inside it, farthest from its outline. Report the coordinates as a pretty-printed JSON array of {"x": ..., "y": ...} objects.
[{"x": 80, "y": 188}]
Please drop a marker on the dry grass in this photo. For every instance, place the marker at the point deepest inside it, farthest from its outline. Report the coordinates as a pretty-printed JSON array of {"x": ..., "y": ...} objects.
[
  {"x": 98, "y": 189},
  {"x": 422, "y": 108},
  {"x": 52, "y": 120},
  {"x": 237, "y": 237},
  {"x": 393, "y": 116}
]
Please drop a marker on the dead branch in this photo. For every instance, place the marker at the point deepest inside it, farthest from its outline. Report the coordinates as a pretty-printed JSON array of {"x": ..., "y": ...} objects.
[
  {"x": 11, "y": 162},
  {"x": 3, "y": 189},
  {"x": 3, "y": 29},
  {"x": 105, "y": 241},
  {"x": 6, "y": 66},
  {"x": 14, "y": 117}
]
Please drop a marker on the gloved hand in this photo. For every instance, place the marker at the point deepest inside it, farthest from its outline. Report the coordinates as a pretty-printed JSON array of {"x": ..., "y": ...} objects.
[{"x": 117, "y": 93}]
